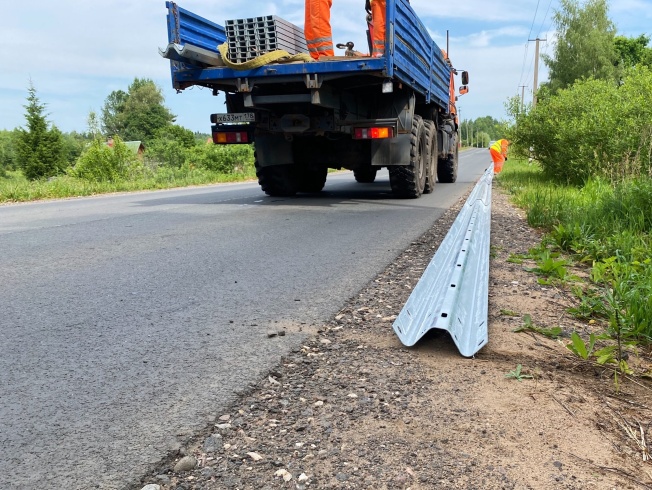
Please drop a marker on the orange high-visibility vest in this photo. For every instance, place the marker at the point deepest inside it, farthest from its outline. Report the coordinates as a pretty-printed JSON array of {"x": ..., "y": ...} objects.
[
  {"x": 378, "y": 13},
  {"x": 317, "y": 28},
  {"x": 498, "y": 153},
  {"x": 500, "y": 146}
]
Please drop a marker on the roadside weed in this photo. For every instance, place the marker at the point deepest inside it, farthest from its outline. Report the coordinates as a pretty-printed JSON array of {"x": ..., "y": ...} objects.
[
  {"x": 610, "y": 356},
  {"x": 591, "y": 304},
  {"x": 604, "y": 226},
  {"x": 579, "y": 347},
  {"x": 517, "y": 374},
  {"x": 516, "y": 259},
  {"x": 508, "y": 313},
  {"x": 551, "y": 267},
  {"x": 551, "y": 333}
]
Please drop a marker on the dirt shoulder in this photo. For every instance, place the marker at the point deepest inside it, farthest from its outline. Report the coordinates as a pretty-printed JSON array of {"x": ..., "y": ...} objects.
[{"x": 353, "y": 408}]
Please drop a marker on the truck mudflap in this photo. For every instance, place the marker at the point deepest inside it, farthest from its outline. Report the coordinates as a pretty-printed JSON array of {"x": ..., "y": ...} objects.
[
  {"x": 390, "y": 151},
  {"x": 452, "y": 293}
]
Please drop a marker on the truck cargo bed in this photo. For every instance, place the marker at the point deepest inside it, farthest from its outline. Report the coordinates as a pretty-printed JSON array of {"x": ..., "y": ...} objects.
[{"x": 411, "y": 57}]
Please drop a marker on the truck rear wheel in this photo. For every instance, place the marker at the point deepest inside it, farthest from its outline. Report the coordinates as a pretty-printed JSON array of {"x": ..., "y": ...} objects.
[
  {"x": 365, "y": 175},
  {"x": 310, "y": 178},
  {"x": 276, "y": 180},
  {"x": 431, "y": 156},
  {"x": 408, "y": 181},
  {"x": 447, "y": 167}
]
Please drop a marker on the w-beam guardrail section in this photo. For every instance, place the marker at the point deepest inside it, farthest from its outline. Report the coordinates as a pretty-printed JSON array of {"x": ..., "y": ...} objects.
[{"x": 453, "y": 292}]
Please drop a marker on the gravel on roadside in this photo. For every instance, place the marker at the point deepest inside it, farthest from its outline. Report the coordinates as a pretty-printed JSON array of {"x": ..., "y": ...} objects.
[{"x": 354, "y": 409}]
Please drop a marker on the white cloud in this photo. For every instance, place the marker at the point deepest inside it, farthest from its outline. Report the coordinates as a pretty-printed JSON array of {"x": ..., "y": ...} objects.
[
  {"x": 492, "y": 13},
  {"x": 633, "y": 17},
  {"x": 485, "y": 39}
]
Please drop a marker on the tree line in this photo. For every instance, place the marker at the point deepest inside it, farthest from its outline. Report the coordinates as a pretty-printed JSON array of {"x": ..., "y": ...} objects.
[
  {"x": 479, "y": 132},
  {"x": 39, "y": 150}
]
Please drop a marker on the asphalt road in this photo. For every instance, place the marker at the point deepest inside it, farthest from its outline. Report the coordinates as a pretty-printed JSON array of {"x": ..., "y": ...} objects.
[{"x": 128, "y": 321}]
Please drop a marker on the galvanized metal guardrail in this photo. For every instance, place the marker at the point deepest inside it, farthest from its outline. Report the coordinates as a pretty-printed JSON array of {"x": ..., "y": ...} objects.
[{"x": 452, "y": 294}]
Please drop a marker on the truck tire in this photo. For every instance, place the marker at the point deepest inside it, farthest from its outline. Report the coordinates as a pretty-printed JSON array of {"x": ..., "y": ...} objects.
[
  {"x": 447, "y": 167},
  {"x": 276, "y": 180},
  {"x": 310, "y": 178},
  {"x": 431, "y": 156},
  {"x": 365, "y": 175},
  {"x": 408, "y": 181}
]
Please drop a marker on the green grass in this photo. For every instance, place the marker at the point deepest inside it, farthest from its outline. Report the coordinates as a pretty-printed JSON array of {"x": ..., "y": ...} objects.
[
  {"x": 605, "y": 226},
  {"x": 14, "y": 187}
]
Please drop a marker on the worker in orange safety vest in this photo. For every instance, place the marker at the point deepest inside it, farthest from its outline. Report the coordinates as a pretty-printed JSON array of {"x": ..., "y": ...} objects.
[
  {"x": 498, "y": 152},
  {"x": 317, "y": 28},
  {"x": 378, "y": 12},
  {"x": 319, "y": 35}
]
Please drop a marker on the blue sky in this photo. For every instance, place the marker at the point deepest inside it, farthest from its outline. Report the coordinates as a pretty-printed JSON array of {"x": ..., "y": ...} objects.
[{"x": 77, "y": 52}]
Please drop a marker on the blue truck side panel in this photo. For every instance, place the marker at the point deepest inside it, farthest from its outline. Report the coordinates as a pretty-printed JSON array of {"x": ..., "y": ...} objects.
[
  {"x": 184, "y": 27},
  {"x": 411, "y": 56},
  {"x": 416, "y": 58}
]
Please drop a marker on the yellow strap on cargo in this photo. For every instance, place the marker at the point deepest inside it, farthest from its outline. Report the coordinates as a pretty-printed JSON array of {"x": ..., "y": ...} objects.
[{"x": 278, "y": 55}]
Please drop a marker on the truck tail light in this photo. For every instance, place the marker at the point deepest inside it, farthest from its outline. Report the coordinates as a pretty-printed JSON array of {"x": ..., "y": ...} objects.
[
  {"x": 230, "y": 137},
  {"x": 373, "y": 133}
]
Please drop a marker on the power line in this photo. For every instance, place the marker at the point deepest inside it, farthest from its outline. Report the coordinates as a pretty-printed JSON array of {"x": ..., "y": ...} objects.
[
  {"x": 544, "y": 19},
  {"x": 545, "y": 48},
  {"x": 534, "y": 19},
  {"x": 535, "y": 59}
]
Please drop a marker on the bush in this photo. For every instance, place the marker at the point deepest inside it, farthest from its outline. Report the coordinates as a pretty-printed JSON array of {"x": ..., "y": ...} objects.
[
  {"x": 73, "y": 146},
  {"x": 7, "y": 151},
  {"x": 167, "y": 153},
  {"x": 101, "y": 163},
  {"x": 594, "y": 128},
  {"x": 222, "y": 158},
  {"x": 169, "y": 146}
]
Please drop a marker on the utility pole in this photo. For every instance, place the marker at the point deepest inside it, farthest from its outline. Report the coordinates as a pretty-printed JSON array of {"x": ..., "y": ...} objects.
[
  {"x": 536, "y": 71},
  {"x": 522, "y": 96}
]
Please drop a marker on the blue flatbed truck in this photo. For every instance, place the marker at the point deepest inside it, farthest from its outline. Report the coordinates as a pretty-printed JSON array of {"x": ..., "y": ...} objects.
[{"x": 360, "y": 113}]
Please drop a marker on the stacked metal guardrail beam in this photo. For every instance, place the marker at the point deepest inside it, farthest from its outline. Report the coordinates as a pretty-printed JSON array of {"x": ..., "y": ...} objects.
[
  {"x": 249, "y": 38},
  {"x": 452, "y": 293}
]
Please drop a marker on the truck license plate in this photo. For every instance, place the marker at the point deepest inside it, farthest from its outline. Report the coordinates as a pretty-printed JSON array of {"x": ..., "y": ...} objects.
[{"x": 235, "y": 117}]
